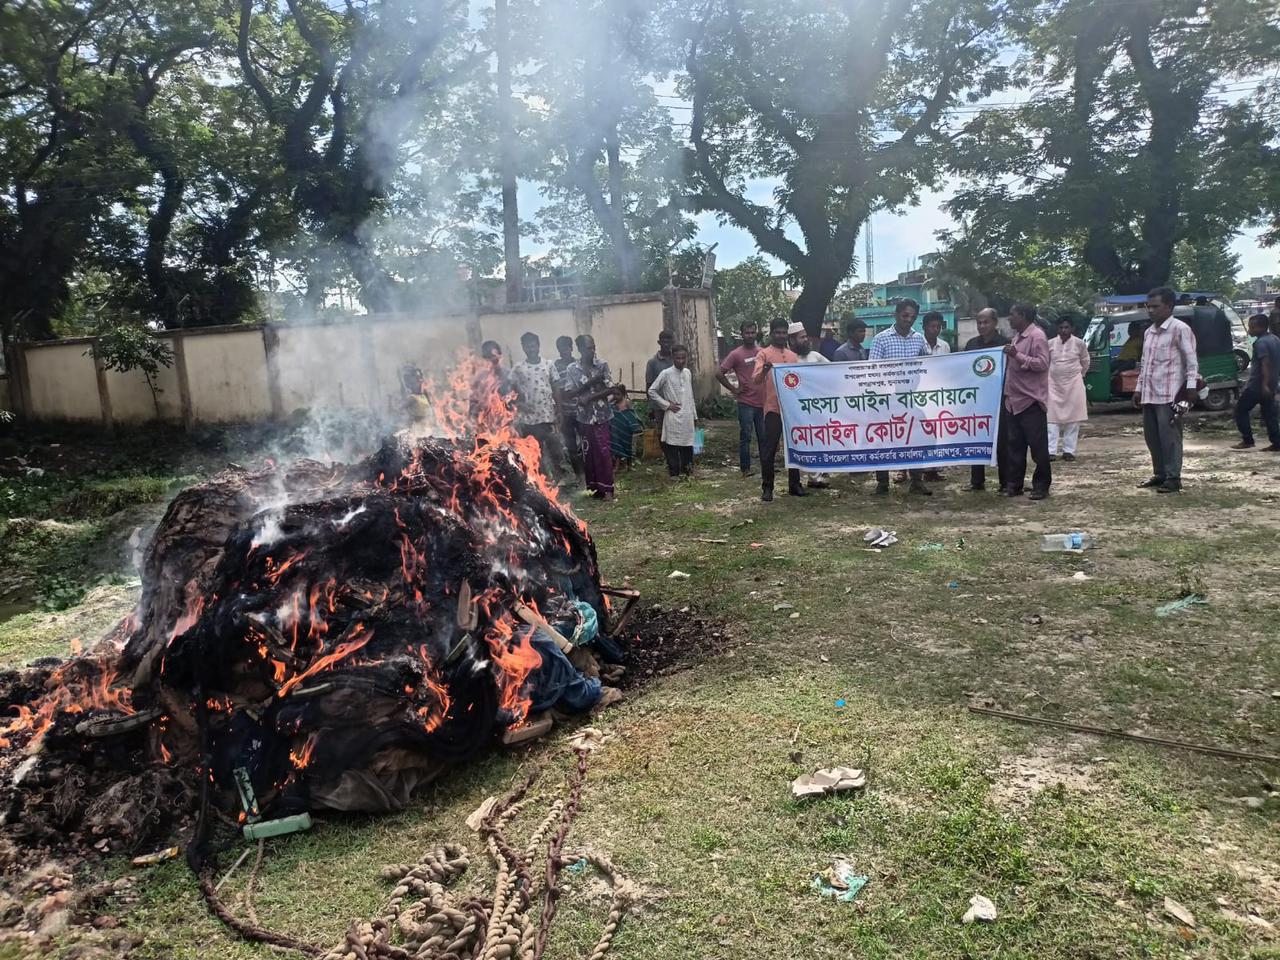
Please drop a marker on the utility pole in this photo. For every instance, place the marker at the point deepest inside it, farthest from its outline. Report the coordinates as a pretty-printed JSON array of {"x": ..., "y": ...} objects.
[
  {"x": 871, "y": 252},
  {"x": 506, "y": 155}
]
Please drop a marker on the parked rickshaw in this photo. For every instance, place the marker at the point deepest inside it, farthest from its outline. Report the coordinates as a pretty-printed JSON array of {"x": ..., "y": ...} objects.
[{"x": 1113, "y": 370}]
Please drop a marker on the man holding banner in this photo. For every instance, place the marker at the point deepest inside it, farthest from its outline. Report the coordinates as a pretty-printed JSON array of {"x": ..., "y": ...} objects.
[
  {"x": 909, "y": 412},
  {"x": 775, "y": 353},
  {"x": 898, "y": 342},
  {"x": 1026, "y": 402}
]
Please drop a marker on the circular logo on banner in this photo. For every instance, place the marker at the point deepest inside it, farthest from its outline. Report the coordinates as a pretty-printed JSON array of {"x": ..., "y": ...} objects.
[
  {"x": 984, "y": 366},
  {"x": 791, "y": 380}
]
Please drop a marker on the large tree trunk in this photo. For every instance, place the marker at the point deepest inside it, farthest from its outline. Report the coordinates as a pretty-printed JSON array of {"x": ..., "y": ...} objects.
[
  {"x": 821, "y": 280},
  {"x": 514, "y": 269}
]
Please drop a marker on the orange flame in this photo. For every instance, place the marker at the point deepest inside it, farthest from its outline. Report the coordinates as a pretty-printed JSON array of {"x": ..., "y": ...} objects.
[
  {"x": 300, "y": 758},
  {"x": 359, "y": 636},
  {"x": 69, "y": 692}
]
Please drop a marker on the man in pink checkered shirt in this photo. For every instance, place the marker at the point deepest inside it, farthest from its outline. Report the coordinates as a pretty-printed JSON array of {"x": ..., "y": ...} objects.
[{"x": 1169, "y": 374}]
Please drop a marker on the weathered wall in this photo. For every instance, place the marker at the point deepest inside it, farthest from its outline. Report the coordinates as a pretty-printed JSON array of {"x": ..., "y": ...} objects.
[
  {"x": 63, "y": 383},
  {"x": 250, "y": 373},
  {"x": 227, "y": 376}
]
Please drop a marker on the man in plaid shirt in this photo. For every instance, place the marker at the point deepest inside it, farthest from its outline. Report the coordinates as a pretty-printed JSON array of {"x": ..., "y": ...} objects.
[{"x": 1169, "y": 374}]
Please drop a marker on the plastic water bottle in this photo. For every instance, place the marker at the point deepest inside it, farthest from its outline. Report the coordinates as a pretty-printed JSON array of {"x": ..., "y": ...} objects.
[{"x": 1065, "y": 542}]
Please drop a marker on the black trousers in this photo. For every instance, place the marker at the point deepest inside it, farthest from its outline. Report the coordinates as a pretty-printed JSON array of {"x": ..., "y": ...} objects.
[
  {"x": 769, "y": 452},
  {"x": 1028, "y": 430},
  {"x": 1250, "y": 397},
  {"x": 679, "y": 459},
  {"x": 978, "y": 475},
  {"x": 569, "y": 434},
  {"x": 882, "y": 477}
]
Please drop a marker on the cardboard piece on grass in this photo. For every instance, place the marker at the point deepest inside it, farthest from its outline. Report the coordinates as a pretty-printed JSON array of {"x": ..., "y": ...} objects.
[
  {"x": 678, "y": 575},
  {"x": 480, "y": 813},
  {"x": 980, "y": 908},
  {"x": 830, "y": 780},
  {"x": 1176, "y": 911}
]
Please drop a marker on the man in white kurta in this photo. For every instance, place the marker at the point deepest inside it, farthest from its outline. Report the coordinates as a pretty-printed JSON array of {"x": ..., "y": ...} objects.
[
  {"x": 1068, "y": 408},
  {"x": 672, "y": 393}
]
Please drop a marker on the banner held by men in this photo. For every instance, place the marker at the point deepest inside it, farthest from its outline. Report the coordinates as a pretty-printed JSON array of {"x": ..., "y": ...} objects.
[{"x": 880, "y": 414}]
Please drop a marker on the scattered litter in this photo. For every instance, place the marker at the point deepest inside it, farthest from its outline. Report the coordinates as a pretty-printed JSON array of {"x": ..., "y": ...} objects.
[
  {"x": 1065, "y": 542},
  {"x": 831, "y": 780},
  {"x": 712, "y": 540},
  {"x": 953, "y": 585},
  {"x": 480, "y": 814},
  {"x": 980, "y": 908},
  {"x": 960, "y": 544},
  {"x": 880, "y": 539},
  {"x": 577, "y": 866},
  {"x": 783, "y": 606},
  {"x": 756, "y": 546},
  {"x": 1246, "y": 919},
  {"x": 839, "y": 704},
  {"x": 1186, "y": 603},
  {"x": 980, "y": 620},
  {"x": 840, "y": 882},
  {"x": 824, "y": 658},
  {"x": 1033, "y": 619},
  {"x": 849, "y": 590},
  {"x": 795, "y": 616},
  {"x": 587, "y": 740},
  {"x": 930, "y": 548},
  {"x": 151, "y": 859},
  {"x": 1080, "y": 575},
  {"x": 678, "y": 575},
  {"x": 1176, "y": 911}
]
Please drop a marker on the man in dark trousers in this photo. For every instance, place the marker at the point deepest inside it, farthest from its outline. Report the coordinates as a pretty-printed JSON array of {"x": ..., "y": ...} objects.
[
  {"x": 1264, "y": 376},
  {"x": 1167, "y": 382},
  {"x": 1026, "y": 404},
  {"x": 775, "y": 352},
  {"x": 990, "y": 338}
]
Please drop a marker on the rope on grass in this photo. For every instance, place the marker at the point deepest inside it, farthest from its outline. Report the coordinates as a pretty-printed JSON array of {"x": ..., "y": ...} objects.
[{"x": 423, "y": 920}]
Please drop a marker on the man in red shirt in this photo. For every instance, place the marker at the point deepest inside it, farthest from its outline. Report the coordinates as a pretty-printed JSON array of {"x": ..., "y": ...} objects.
[
  {"x": 776, "y": 352},
  {"x": 748, "y": 392},
  {"x": 1026, "y": 403}
]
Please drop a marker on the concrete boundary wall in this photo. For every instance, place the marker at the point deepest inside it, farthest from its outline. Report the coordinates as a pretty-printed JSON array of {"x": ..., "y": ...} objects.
[{"x": 258, "y": 372}]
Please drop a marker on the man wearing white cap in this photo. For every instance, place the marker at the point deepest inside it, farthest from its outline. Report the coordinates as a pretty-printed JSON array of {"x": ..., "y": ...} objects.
[{"x": 802, "y": 346}]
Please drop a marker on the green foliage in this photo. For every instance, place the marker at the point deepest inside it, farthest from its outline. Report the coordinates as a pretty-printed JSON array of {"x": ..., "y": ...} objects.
[
  {"x": 841, "y": 105},
  {"x": 128, "y": 347},
  {"x": 1122, "y": 150},
  {"x": 748, "y": 291},
  {"x": 1206, "y": 265}
]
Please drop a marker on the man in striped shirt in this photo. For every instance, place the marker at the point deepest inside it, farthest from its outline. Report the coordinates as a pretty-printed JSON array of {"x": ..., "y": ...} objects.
[{"x": 1169, "y": 375}]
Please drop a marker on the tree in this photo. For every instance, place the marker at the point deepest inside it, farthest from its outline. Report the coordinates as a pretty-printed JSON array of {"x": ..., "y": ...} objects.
[
  {"x": 126, "y": 347},
  {"x": 611, "y": 166},
  {"x": 1122, "y": 147},
  {"x": 63, "y": 165},
  {"x": 1206, "y": 266},
  {"x": 344, "y": 90},
  {"x": 841, "y": 104},
  {"x": 748, "y": 291}
]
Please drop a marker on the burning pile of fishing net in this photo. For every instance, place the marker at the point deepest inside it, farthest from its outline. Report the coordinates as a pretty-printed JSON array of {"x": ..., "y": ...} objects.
[{"x": 317, "y": 637}]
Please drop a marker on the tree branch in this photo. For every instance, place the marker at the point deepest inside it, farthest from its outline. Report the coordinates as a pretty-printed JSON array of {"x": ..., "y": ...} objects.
[
  {"x": 246, "y": 62},
  {"x": 751, "y": 217}
]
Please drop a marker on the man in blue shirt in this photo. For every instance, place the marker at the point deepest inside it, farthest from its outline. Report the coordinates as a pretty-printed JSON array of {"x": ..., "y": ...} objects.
[
  {"x": 901, "y": 342},
  {"x": 852, "y": 350},
  {"x": 1264, "y": 375}
]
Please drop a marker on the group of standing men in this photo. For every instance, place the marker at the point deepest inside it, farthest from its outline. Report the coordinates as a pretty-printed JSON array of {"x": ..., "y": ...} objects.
[{"x": 1044, "y": 402}]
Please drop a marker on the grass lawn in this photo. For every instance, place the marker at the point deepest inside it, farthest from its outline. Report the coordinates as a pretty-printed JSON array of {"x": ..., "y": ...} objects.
[{"x": 1076, "y": 839}]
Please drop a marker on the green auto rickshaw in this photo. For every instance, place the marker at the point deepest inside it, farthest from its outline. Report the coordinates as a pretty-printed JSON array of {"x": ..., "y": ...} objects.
[{"x": 1115, "y": 355}]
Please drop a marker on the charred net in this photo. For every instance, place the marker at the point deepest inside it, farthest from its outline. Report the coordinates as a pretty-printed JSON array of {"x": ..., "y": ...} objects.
[{"x": 332, "y": 636}]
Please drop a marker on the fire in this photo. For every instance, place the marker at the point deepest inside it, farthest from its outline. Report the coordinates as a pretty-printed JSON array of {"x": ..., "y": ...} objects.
[
  {"x": 301, "y": 757},
  {"x": 80, "y": 686},
  {"x": 515, "y": 656},
  {"x": 358, "y": 637},
  {"x": 432, "y": 716}
]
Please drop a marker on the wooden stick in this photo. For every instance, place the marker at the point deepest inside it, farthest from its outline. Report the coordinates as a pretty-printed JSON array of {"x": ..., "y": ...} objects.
[
  {"x": 1138, "y": 737},
  {"x": 534, "y": 619}
]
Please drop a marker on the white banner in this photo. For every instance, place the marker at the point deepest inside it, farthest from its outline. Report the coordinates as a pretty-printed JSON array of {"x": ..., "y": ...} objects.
[{"x": 883, "y": 414}]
